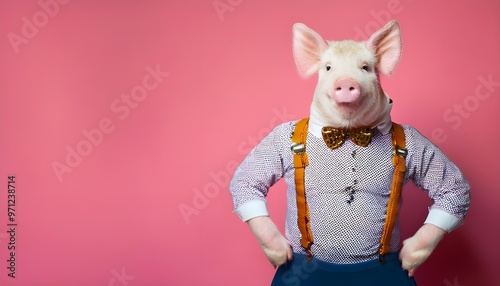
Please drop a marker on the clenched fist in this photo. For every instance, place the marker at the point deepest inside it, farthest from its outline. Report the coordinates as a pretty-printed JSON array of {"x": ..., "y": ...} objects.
[
  {"x": 419, "y": 247},
  {"x": 275, "y": 245}
]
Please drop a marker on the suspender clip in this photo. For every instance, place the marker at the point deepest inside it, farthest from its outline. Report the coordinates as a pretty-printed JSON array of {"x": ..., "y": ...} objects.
[
  {"x": 400, "y": 151},
  {"x": 298, "y": 148},
  {"x": 309, "y": 254}
]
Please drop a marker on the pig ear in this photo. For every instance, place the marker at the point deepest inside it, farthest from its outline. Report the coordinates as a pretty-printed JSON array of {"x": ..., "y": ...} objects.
[
  {"x": 308, "y": 46},
  {"x": 386, "y": 45}
]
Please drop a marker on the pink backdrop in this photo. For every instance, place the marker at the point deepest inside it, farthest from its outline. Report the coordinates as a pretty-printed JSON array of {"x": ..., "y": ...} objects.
[{"x": 122, "y": 122}]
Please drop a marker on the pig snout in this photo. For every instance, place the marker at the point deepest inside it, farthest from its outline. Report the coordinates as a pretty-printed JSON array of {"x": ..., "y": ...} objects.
[{"x": 346, "y": 90}]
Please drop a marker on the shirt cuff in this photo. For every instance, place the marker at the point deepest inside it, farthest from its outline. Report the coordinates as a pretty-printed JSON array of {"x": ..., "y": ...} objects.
[
  {"x": 252, "y": 209},
  {"x": 443, "y": 220}
]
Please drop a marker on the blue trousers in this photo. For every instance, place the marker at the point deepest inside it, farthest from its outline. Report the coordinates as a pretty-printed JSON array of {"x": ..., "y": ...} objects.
[{"x": 300, "y": 271}]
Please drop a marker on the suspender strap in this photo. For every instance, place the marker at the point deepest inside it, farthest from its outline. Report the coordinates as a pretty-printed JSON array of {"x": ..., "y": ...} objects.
[
  {"x": 300, "y": 161},
  {"x": 400, "y": 152}
]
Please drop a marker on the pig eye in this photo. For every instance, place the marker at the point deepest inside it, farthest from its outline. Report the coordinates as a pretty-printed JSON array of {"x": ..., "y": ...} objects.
[
  {"x": 366, "y": 67},
  {"x": 328, "y": 67}
]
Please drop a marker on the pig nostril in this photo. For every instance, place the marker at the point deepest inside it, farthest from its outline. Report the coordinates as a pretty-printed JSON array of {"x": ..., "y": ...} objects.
[
  {"x": 339, "y": 88},
  {"x": 351, "y": 88}
]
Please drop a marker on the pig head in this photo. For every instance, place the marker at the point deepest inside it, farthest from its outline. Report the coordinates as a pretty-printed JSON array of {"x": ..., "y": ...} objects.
[{"x": 348, "y": 93}]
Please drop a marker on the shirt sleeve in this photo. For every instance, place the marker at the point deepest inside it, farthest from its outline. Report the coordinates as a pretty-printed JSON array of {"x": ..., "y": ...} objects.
[
  {"x": 261, "y": 169},
  {"x": 431, "y": 170}
]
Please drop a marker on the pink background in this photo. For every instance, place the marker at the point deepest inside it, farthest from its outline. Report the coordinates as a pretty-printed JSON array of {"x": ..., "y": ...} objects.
[{"x": 148, "y": 203}]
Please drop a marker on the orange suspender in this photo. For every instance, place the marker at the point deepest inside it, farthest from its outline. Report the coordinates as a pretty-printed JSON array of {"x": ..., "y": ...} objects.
[
  {"x": 399, "y": 162},
  {"x": 300, "y": 162}
]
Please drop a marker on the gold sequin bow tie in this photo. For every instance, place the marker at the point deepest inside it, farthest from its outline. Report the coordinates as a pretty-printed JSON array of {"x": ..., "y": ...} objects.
[{"x": 334, "y": 137}]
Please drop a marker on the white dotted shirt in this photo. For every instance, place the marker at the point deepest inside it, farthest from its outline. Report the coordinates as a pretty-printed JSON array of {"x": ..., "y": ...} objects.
[{"x": 347, "y": 189}]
